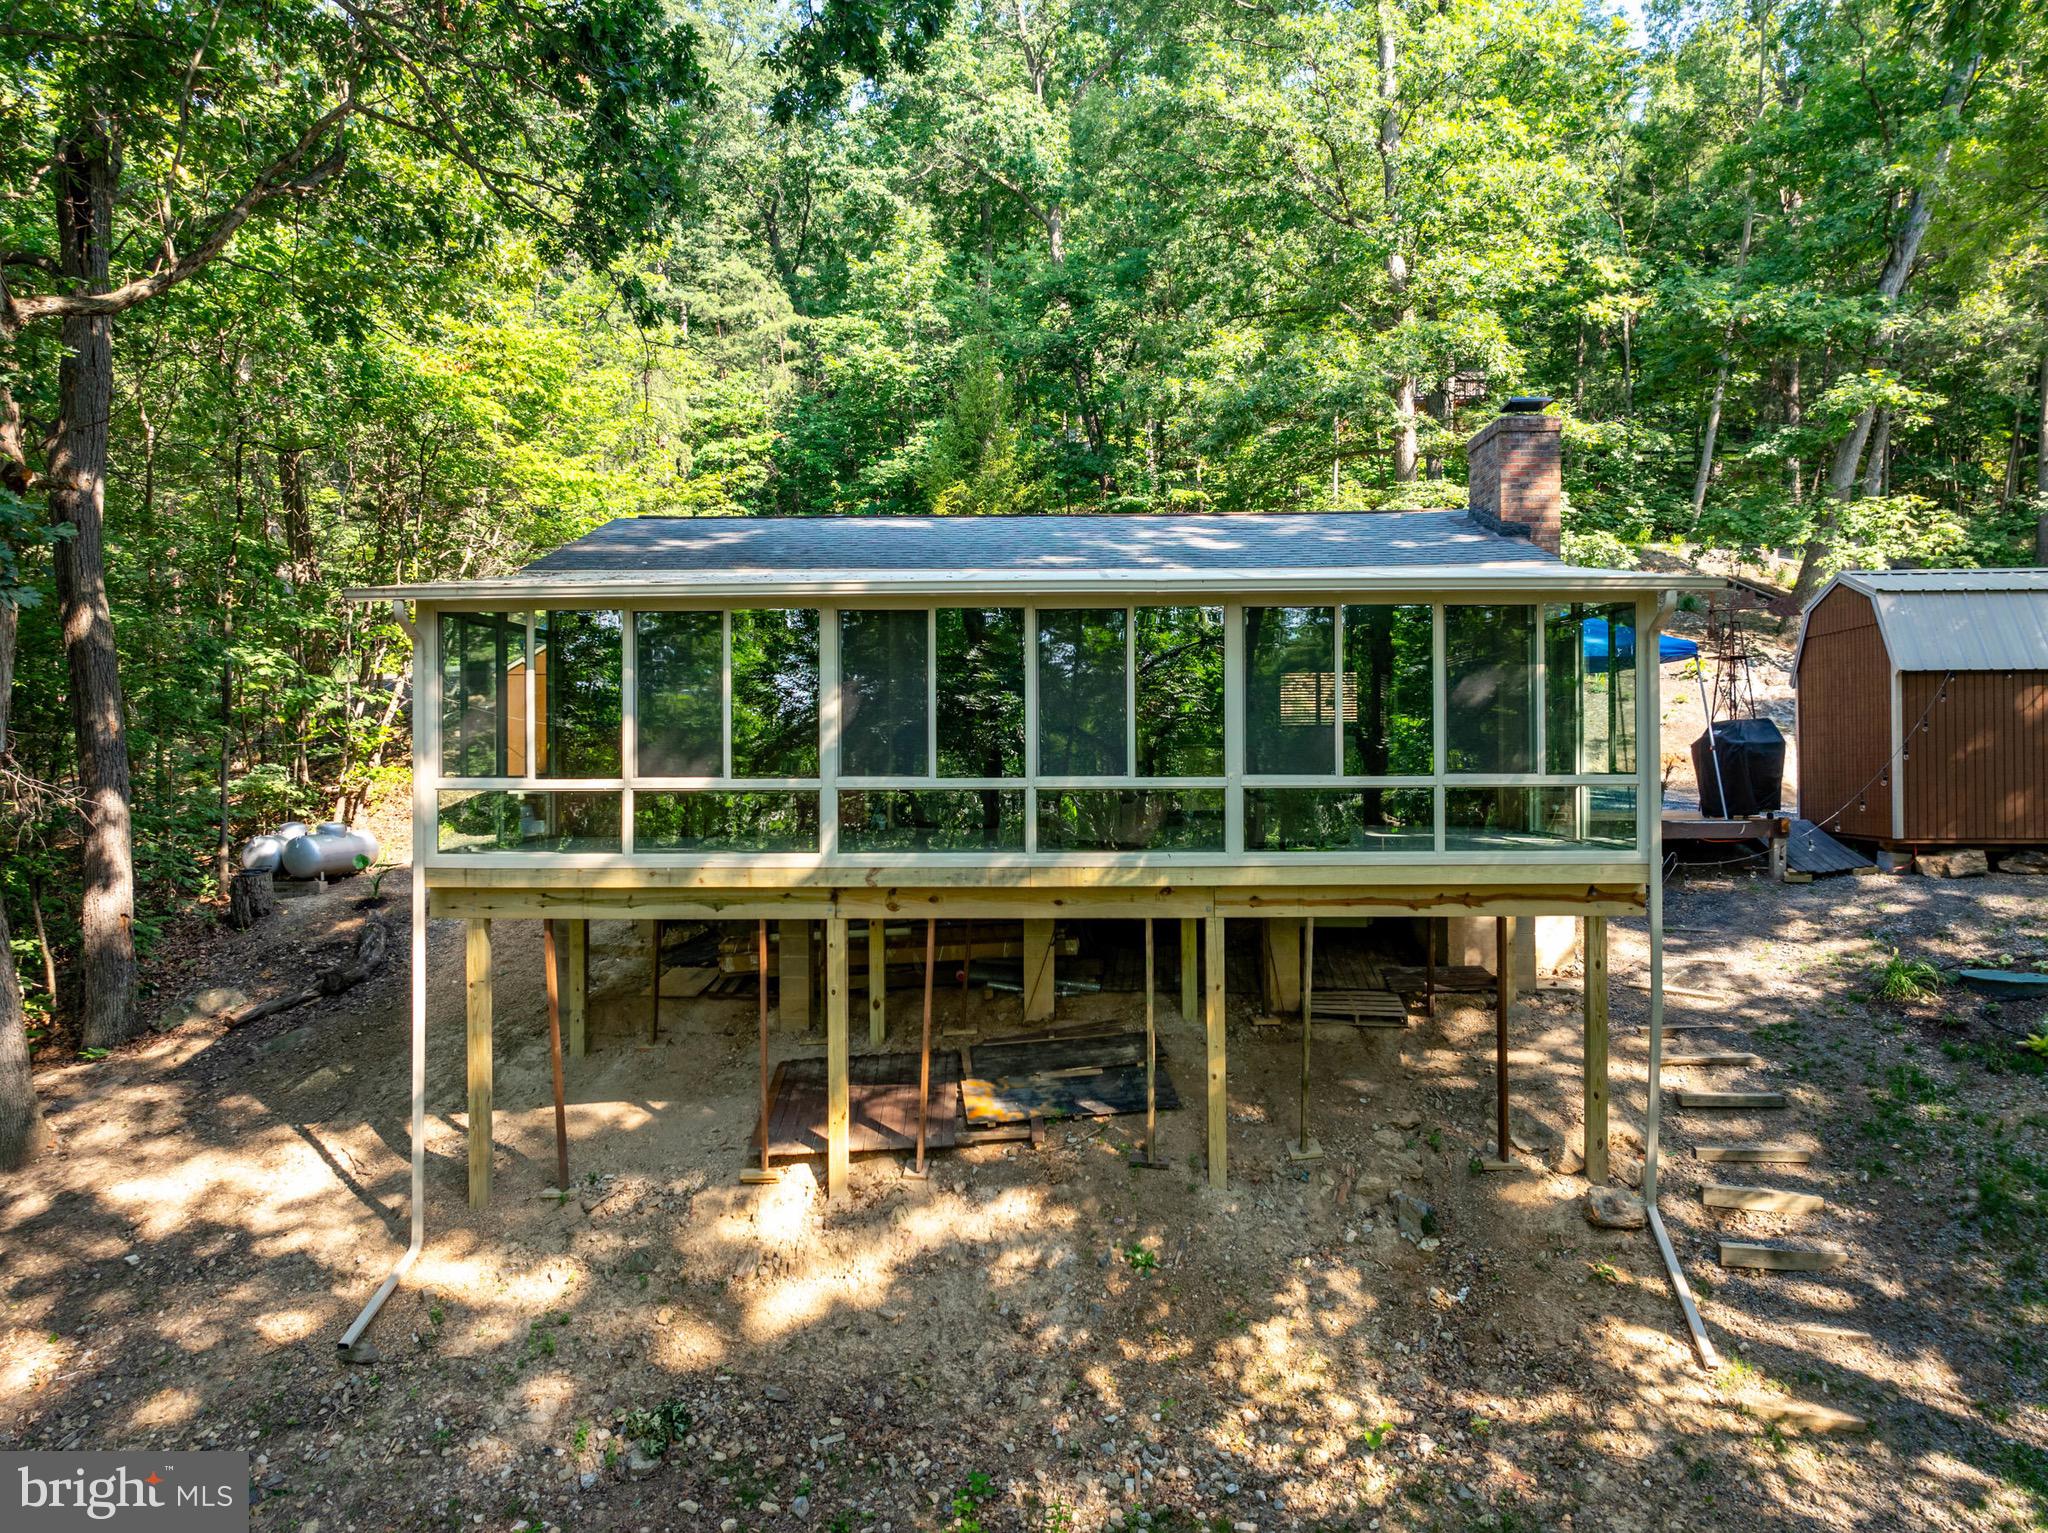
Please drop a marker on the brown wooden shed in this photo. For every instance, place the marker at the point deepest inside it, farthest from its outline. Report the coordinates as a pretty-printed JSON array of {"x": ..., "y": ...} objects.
[{"x": 1923, "y": 707}]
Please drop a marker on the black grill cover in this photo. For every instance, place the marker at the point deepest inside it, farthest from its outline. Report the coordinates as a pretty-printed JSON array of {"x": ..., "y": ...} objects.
[{"x": 1752, "y": 755}]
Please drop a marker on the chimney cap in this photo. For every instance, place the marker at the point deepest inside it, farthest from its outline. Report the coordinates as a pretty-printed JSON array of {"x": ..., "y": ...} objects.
[{"x": 1526, "y": 404}]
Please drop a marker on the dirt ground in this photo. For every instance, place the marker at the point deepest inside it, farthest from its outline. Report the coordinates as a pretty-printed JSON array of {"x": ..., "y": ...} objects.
[{"x": 1046, "y": 1339}]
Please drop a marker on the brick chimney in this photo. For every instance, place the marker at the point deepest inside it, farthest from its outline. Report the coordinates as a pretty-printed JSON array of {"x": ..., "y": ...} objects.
[{"x": 1515, "y": 473}]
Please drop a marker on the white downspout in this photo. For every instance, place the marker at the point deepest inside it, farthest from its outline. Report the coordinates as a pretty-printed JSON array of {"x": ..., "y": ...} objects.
[{"x": 1647, "y": 645}]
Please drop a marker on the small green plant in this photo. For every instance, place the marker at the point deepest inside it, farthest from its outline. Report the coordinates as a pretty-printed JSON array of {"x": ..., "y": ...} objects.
[
  {"x": 2036, "y": 1044},
  {"x": 1604, "y": 1272},
  {"x": 1140, "y": 1260},
  {"x": 92, "y": 1056},
  {"x": 967, "y": 1503},
  {"x": 657, "y": 1428},
  {"x": 1476, "y": 1166},
  {"x": 1375, "y": 1437},
  {"x": 582, "y": 1438},
  {"x": 1901, "y": 980},
  {"x": 1434, "y": 1139}
]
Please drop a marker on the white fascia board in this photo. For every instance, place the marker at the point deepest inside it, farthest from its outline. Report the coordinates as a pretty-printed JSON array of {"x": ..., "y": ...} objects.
[{"x": 1420, "y": 580}]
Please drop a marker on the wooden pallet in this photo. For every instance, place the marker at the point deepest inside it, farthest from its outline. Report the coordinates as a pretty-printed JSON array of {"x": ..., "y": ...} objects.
[
  {"x": 883, "y": 1096},
  {"x": 1359, "y": 1008}
]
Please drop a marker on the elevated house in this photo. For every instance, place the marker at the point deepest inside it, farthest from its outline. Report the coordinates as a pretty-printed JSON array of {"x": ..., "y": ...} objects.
[{"x": 830, "y": 723}]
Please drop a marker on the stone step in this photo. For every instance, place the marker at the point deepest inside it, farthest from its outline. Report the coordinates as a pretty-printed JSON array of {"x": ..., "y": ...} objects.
[
  {"x": 1755, "y": 1154},
  {"x": 1761, "y": 1200},
  {"x": 1707, "y": 1061},
  {"x": 1755, "y": 1099},
  {"x": 1800, "y": 1415},
  {"x": 1767, "y": 1258}
]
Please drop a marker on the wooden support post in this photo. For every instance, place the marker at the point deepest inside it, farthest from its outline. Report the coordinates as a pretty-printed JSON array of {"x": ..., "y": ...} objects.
[
  {"x": 1038, "y": 971},
  {"x": 838, "y": 1056},
  {"x": 478, "y": 974},
  {"x": 1280, "y": 943},
  {"x": 1504, "y": 997},
  {"x": 1432, "y": 927},
  {"x": 1190, "y": 969},
  {"x": 1305, "y": 1147},
  {"x": 878, "y": 983},
  {"x": 547, "y": 948},
  {"x": 654, "y": 929},
  {"x": 766, "y": 1173},
  {"x": 579, "y": 987},
  {"x": 1780, "y": 844},
  {"x": 924, "y": 1049},
  {"x": 1219, "y": 1101},
  {"x": 793, "y": 974},
  {"x": 1151, "y": 1056},
  {"x": 1596, "y": 1049}
]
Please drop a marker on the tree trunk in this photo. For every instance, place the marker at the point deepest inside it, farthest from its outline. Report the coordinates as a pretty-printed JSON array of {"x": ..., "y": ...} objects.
[
  {"x": 85, "y": 180},
  {"x": 1795, "y": 416},
  {"x": 2041, "y": 472},
  {"x": 21, "y": 1120},
  {"x": 1890, "y": 285},
  {"x": 1874, "y": 475},
  {"x": 1405, "y": 449},
  {"x": 1713, "y": 427}
]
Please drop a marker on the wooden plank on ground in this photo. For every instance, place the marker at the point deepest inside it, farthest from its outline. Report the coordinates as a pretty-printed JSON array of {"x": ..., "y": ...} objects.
[
  {"x": 1770, "y": 1258},
  {"x": 1728, "y": 1099},
  {"x": 1761, "y": 1200},
  {"x": 1800, "y": 1415},
  {"x": 1755, "y": 1154},
  {"x": 882, "y": 1105},
  {"x": 1712, "y": 1061}
]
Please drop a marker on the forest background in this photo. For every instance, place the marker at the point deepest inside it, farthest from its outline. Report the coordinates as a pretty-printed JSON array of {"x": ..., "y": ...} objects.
[{"x": 382, "y": 291}]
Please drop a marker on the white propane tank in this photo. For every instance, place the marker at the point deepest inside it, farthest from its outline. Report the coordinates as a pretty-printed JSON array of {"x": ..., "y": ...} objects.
[
  {"x": 291, "y": 830},
  {"x": 332, "y": 856},
  {"x": 262, "y": 854}
]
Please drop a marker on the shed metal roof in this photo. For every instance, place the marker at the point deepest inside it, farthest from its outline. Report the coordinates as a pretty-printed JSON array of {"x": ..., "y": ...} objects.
[
  {"x": 1954, "y": 620},
  {"x": 683, "y": 556}
]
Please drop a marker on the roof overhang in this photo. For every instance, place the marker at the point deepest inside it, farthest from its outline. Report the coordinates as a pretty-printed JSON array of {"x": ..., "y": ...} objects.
[{"x": 768, "y": 585}]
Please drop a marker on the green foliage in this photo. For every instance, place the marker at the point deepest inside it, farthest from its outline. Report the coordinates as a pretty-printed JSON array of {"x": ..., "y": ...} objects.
[{"x": 1901, "y": 979}]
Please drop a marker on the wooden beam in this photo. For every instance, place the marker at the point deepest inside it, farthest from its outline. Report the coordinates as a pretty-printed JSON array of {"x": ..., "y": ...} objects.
[
  {"x": 1754, "y": 1254},
  {"x": 793, "y": 974},
  {"x": 1038, "y": 971},
  {"x": 654, "y": 929},
  {"x": 838, "y": 1060},
  {"x": 1761, "y": 1200},
  {"x": 477, "y": 963},
  {"x": 1219, "y": 1101},
  {"x": 578, "y": 963},
  {"x": 1754, "y": 1154},
  {"x": 878, "y": 982},
  {"x": 1190, "y": 968},
  {"x": 1280, "y": 963},
  {"x": 1595, "y": 940}
]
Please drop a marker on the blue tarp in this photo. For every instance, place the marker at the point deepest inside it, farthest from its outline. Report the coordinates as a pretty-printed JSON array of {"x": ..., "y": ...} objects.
[{"x": 1669, "y": 646}]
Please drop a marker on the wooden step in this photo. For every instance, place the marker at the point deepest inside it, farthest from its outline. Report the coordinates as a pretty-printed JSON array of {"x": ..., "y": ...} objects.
[
  {"x": 1705, "y": 1061},
  {"x": 1755, "y": 1154},
  {"x": 1761, "y": 1200},
  {"x": 1757, "y": 1099},
  {"x": 1818, "y": 1331},
  {"x": 1750, "y": 1253},
  {"x": 1800, "y": 1415}
]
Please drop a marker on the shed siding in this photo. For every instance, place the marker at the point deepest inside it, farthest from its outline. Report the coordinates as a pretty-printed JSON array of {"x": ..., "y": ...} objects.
[
  {"x": 1845, "y": 711},
  {"x": 1979, "y": 773}
]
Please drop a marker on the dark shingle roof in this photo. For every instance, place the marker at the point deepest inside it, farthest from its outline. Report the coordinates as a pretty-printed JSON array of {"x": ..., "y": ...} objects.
[{"x": 1050, "y": 544}]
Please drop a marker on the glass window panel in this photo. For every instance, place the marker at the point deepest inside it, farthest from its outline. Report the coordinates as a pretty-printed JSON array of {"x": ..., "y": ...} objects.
[
  {"x": 934, "y": 820},
  {"x": 1180, "y": 691},
  {"x": 677, "y": 664},
  {"x": 725, "y": 822},
  {"x": 1490, "y": 688},
  {"x": 1081, "y": 693},
  {"x": 1389, "y": 656},
  {"x": 488, "y": 820},
  {"x": 578, "y": 661},
  {"x": 981, "y": 691},
  {"x": 775, "y": 693},
  {"x": 1290, "y": 705},
  {"x": 1130, "y": 820},
  {"x": 884, "y": 712},
  {"x": 1339, "y": 819},
  {"x": 483, "y": 694},
  {"x": 1589, "y": 682},
  {"x": 1532, "y": 819}
]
